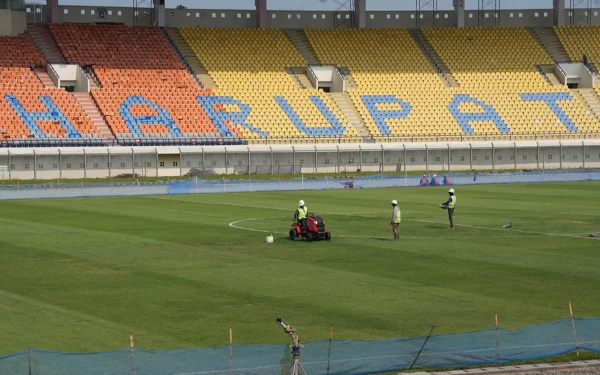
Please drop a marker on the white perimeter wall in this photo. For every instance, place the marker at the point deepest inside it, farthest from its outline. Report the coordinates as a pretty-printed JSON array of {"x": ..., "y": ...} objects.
[{"x": 69, "y": 163}]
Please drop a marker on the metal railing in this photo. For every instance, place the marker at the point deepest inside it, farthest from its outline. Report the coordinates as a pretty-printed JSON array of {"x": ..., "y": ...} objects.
[{"x": 225, "y": 141}]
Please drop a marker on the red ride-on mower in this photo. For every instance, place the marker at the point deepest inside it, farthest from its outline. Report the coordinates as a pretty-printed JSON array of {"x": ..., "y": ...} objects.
[{"x": 315, "y": 230}]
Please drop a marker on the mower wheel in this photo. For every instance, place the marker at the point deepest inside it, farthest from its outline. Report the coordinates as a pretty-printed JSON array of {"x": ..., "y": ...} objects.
[
  {"x": 293, "y": 234},
  {"x": 309, "y": 237},
  {"x": 327, "y": 236}
]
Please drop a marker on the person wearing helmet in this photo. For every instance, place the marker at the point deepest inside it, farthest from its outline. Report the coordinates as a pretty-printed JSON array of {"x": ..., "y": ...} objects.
[
  {"x": 435, "y": 180},
  {"x": 449, "y": 205},
  {"x": 396, "y": 220},
  {"x": 301, "y": 214},
  {"x": 424, "y": 181}
]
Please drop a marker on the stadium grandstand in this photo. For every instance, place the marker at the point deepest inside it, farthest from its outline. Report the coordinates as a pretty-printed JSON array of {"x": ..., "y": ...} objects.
[{"x": 120, "y": 76}]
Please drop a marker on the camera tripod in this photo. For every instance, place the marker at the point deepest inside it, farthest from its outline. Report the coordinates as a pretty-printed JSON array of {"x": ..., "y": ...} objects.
[{"x": 296, "y": 368}]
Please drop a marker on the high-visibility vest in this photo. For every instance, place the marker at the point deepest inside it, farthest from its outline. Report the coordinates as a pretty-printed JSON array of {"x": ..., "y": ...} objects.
[
  {"x": 302, "y": 212},
  {"x": 452, "y": 201},
  {"x": 396, "y": 215}
]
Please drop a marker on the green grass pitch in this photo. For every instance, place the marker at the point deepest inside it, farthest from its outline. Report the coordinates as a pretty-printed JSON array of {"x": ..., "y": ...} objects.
[{"x": 83, "y": 274}]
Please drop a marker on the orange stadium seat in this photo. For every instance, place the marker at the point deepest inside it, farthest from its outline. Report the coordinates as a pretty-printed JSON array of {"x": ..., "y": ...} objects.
[
  {"x": 139, "y": 71},
  {"x": 22, "y": 94}
]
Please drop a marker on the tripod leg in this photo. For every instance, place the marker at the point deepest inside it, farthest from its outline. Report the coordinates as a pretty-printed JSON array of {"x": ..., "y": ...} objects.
[{"x": 301, "y": 369}]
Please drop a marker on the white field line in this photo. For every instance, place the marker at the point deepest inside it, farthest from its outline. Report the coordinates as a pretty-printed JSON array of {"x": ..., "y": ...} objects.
[
  {"x": 513, "y": 230},
  {"x": 379, "y": 213},
  {"x": 234, "y": 224}
]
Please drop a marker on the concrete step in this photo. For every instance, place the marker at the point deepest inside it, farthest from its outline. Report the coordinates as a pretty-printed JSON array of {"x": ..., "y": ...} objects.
[
  {"x": 199, "y": 72},
  {"x": 88, "y": 105},
  {"x": 344, "y": 103},
  {"x": 547, "y": 38},
  {"x": 299, "y": 39},
  {"x": 45, "y": 42},
  {"x": 434, "y": 59}
]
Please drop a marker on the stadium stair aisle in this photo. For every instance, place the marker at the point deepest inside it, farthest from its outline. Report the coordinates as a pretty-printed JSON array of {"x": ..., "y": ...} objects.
[
  {"x": 190, "y": 58},
  {"x": 249, "y": 66},
  {"x": 146, "y": 91}
]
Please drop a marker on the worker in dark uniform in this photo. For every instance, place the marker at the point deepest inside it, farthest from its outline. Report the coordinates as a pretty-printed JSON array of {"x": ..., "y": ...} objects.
[
  {"x": 301, "y": 214},
  {"x": 449, "y": 205}
]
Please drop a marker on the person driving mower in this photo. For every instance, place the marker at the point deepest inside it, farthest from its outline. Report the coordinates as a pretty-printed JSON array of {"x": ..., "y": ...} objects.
[{"x": 301, "y": 214}]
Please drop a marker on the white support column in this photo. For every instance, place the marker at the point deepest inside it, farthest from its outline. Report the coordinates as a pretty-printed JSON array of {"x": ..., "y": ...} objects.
[
  {"x": 560, "y": 18},
  {"x": 360, "y": 13},
  {"x": 261, "y": 14},
  {"x": 159, "y": 13},
  {"x": 459, "y": 8}
]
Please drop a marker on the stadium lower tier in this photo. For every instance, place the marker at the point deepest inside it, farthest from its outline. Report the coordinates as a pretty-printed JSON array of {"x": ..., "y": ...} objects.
[{"x": 227, "y": 117}]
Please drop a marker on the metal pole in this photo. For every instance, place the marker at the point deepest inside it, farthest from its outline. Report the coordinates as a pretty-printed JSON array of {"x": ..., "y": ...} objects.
[
  {"x": 85, "y": 165},
  {"x": 360, "y": 157},
  {"x": 574, "y": 329},
  {"x": 203, "y": 160},
  {"x": 230, "y": 351},
  {"x": 156, "y": 150},
  {"x": 9, "y": 165},
  {"x": 60, "y": 163},
  {"x": 338, "y": 159},
  {"x": 133, "y": 367},
  {"x": 329, "y": 350},
  {"x": 493, "y": 157},
  {"x": 515, "y": 155},
  {"x": 405, "y": 160},
  {"x": 34, "y": 165},
  {"x": 496, "y": 332},
  {"x": 426, "y": 158},
  {"x": 132, "y": 163},
  {"x": 449, "y": 156},
  {"x": 226, "y": 162},
  {"x": 422, "y": 347},
  {"x": 293, "y": 160},
  {"x": 538, "y": 155},
  {"x": 249, "y": 160},
  {"x": 29, "y": 358},
  {"x": 316, "y": 160},
  {"x": 382, "y": 159},
  {"x": 180, "y": 162},
  {"x": 109, "y": 164},
  {"x": 583, "y": 153},
  {"x": 470, "y": 156},
  {"x": 272, "y": 167},
  {"x": 561, "y": 154}
]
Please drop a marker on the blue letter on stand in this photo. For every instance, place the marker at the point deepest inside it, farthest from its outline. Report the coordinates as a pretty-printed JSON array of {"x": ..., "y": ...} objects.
[
  {"x": 465, "y": 119},
  {"x": 551, "y": 100},
  {"x": 133, "y": 122},
  {"x": 218, "y": 118},
  {"x": 379, "y": 116},
  {"x": 336, "y": 129},
  {"x": 30, "y": 118}
]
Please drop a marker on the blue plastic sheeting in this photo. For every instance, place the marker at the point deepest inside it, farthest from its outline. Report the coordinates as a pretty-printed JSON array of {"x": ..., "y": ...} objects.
[
  {"x": 199, "y": 185},
  {"x": 340, "y": 357}
]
